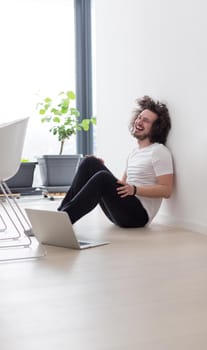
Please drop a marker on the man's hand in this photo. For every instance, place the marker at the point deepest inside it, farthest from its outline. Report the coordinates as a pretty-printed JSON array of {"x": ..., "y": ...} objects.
[{"x": 125, "y": 189}]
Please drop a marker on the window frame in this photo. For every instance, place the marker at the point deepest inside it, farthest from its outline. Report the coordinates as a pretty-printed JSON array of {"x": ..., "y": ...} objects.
[{"x": 83, "y": 61}]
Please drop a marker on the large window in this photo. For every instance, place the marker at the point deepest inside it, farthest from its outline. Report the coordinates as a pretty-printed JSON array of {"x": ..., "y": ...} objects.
[{"x": 37, "y": 57}]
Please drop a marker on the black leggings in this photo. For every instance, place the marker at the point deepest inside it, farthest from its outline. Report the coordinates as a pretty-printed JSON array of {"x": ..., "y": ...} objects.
[{"x": 94, "y": 184}]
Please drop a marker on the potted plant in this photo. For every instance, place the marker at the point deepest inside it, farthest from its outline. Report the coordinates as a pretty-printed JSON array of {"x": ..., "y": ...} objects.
[
  {"x": 22, "y": 181},
  {"x": 63, "y": 119}
]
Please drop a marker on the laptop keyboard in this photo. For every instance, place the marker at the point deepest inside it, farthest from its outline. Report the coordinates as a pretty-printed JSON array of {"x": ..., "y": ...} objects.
[{"x": 83, "y": 243}]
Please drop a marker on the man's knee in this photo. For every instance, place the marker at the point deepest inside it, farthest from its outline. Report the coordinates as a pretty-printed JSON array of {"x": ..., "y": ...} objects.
[
  {"x": 90, "y": 161},
  {"x": 106, "y": 178}
]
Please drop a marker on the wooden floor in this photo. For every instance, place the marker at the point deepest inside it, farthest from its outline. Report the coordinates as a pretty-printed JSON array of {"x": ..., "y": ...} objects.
[{"x": 146, "y": 290}]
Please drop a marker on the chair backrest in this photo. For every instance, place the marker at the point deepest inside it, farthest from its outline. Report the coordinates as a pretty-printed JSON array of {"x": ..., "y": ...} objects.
[{"x": 12, "y": 137}]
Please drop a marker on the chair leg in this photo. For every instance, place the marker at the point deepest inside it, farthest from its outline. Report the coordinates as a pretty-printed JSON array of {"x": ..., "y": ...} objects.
[
  {"x": 3, "y": 229},
  {"x": 19, "y": 246},
  {"x": 16, "y": 217}
]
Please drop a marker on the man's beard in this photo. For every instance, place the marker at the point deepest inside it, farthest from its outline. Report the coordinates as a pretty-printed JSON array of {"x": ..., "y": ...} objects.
[{"x": 141, "y": 137}]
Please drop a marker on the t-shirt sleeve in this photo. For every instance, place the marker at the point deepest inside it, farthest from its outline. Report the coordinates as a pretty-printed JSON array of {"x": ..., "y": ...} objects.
[{"x": 162, "y": 161}]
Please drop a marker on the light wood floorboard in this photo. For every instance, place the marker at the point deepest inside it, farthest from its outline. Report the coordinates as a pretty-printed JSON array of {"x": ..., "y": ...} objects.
[{"x": 146, "y": 290}]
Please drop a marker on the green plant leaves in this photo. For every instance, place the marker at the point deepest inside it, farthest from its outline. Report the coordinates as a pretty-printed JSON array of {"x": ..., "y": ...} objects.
[
  {"x": 85, "y": 123},
  {"x": 42, "y": 111},
  {"x": 71, "y": 95},
  {"x": 48, "y": 100},
  {"x": 63, "y": 116},
  {"x": 75, "y": 112},
  {"x": 56, "y": 120}
]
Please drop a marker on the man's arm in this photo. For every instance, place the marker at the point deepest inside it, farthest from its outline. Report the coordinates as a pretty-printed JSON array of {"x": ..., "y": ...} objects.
[
  {"x": 124, "y": 177},
  {"x": 162, "y": 189}
]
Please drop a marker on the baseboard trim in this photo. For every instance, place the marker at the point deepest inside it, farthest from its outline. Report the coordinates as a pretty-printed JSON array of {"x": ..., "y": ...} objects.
[{"x": 183, "y": 224}]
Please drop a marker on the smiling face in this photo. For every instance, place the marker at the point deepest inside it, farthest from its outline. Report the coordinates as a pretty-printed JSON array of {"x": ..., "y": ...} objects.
[{"x": 143, "y": 124}]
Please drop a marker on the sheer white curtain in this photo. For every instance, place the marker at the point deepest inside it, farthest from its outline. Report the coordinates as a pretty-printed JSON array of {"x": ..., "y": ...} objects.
[{"x": 37, "y": 56}]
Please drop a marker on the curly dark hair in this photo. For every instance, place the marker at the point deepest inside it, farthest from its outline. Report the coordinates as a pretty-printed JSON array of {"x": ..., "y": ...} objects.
[{"x": 161, "y": 126}]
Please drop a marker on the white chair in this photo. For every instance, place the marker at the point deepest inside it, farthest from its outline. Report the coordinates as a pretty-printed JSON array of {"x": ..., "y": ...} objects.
[{"x": 12, "y": 217}]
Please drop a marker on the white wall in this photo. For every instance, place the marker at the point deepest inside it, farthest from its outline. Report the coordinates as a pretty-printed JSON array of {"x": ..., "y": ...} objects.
[{"x": 159, "y": 48}]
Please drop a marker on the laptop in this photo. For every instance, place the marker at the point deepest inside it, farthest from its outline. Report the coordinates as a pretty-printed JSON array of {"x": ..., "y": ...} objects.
[{"x": 55, "y": 228}]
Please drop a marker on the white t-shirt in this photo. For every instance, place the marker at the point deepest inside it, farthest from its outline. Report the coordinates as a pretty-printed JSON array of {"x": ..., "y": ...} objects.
[{"x": 143, "y": 166}]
